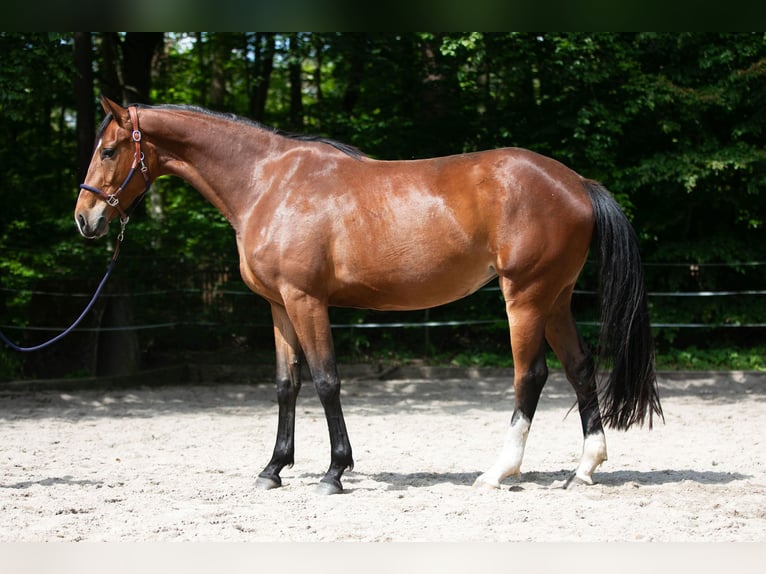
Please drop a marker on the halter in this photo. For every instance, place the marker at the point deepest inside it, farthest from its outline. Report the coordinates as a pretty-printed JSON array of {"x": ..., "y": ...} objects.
[{"x": 112, "y": 199}]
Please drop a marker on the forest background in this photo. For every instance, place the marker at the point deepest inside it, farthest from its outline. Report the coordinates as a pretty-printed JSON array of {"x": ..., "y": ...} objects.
[{"x": 674, "y": 124}]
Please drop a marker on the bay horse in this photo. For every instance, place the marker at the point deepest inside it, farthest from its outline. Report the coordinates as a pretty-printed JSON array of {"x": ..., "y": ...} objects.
[{"x": 320, "y": 224}]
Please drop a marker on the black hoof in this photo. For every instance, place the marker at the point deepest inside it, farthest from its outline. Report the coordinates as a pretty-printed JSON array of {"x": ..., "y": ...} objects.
[
  {"x": 329, "y": 487},
  {"x": 267, "y": 483}
]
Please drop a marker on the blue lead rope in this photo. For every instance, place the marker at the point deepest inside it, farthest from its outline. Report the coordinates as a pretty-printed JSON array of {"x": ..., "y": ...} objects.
[{"x": 77, "y": 321}]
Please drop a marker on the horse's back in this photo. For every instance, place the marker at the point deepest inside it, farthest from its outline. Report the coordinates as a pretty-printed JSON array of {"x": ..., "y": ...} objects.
[{"x": 525, "y": 211}]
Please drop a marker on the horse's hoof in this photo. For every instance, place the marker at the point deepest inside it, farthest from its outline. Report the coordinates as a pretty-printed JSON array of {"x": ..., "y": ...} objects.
[
  {"x": 576, "y": 480},
  {"x": 328, "y": 487},
  {"x": 481, "y": 484},
  {"x": 265, "y": 483}
]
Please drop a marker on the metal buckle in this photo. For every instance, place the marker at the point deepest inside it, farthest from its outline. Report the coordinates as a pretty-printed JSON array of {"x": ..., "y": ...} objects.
[
  {"x": 136, "y": 135},
  {"x": 123, "y": 223},
  {"x": 112, "y": 200}
]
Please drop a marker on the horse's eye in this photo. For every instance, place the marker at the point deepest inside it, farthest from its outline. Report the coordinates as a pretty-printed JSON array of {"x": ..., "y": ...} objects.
[{"x": 107, "y": 153}]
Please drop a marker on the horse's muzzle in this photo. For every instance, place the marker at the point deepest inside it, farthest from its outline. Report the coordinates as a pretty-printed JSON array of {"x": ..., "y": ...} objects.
[{"x": 92, "y": 227}]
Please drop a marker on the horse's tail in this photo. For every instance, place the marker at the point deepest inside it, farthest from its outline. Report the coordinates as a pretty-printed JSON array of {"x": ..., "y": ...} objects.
[{"x": 625, "y": 347}]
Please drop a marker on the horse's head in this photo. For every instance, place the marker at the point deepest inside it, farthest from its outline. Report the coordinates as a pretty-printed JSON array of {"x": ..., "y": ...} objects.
[{"x": 110, "y": 188}]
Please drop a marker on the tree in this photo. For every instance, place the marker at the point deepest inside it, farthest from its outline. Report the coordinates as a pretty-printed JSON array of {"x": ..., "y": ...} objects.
[
  {"x": 673, "y": 124},
  {"x": 83, "y": 89},
  {"x": 264, "y": 65},
  {"x": 126, "y": 65},
  {"x": 295, "y": 65},
  {"x": 138, "y": 52}
]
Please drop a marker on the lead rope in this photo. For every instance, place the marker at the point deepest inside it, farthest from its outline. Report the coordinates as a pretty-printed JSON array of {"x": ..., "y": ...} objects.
[{"x": 88, "y": 307}]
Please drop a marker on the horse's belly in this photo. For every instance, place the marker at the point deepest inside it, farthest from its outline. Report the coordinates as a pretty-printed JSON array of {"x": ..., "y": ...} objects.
[{"x": 410, "y": 289}]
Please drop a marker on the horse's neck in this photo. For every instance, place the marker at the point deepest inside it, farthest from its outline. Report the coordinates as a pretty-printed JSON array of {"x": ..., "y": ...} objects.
[{"x": 213, "y": 155}]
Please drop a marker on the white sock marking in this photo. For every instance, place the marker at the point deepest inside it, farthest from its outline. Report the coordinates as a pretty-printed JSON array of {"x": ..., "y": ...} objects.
[{"x": 509, "y": 461}]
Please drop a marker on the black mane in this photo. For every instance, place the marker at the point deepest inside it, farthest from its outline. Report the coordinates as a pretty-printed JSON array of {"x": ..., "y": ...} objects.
[
  {"x": 101, "y": 128},
  {"x": 345, "y": 148}
]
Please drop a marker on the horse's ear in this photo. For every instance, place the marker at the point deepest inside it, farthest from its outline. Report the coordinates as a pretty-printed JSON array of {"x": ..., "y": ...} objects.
[{"x": 119, "y": 113}]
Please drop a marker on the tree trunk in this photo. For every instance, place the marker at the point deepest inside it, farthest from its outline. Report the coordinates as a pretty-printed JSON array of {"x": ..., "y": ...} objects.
[
  {"x": 264, "y": 49},
  {"x": 83, "y": 94},
  {"x": 138, "y": 50},
  {"x": 110, "y": 79},
  {"x": 221, "y": 46},
  {"x": 355, "y": 73},
  {"x": 217, "y": 71},
  {"x": 296, "y": 84}
]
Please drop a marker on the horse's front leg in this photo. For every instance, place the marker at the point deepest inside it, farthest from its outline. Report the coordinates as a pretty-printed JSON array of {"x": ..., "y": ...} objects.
[
  {"x": 288, "y": 386},
  {"x": 312, "y": 323}
]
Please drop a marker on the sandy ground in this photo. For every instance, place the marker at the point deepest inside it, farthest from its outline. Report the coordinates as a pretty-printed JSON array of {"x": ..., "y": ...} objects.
[{"x": 179, "y": 463}]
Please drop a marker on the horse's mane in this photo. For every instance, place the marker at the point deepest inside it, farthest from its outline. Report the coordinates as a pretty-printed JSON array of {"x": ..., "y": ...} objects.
[
  {"x": 345, "y": 148},
  {"x": 101, "y": 128}
]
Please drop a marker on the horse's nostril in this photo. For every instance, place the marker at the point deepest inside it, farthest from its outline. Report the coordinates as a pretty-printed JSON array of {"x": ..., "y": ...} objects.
[{"x": 82, "y": 224}]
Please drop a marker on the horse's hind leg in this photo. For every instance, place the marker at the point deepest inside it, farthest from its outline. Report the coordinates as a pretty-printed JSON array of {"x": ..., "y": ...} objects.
[
  {"x": 568, "y": 345},
  {"x": 530, "y": 373},
  {"x": 288, "y": 386}
]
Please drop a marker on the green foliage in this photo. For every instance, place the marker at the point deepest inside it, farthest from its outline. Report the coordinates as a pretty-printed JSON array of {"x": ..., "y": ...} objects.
[
  {"x": 674, "y": 124},
  {"x": 741, "y": 358},
  {"x": 726, "y": 358}
]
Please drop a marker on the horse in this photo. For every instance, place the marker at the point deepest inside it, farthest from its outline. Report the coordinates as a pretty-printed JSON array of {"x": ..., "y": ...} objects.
[{"x": 319, "y": 224}]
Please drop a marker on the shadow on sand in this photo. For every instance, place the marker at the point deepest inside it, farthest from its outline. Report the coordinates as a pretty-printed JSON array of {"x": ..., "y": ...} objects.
[
  {"x": 53, "y": 481},
  {"x": 555, "y": 479}
]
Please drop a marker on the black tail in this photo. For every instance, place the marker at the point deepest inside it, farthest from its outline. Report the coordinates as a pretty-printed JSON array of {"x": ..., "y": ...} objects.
[{"x": 629, "y": 393}]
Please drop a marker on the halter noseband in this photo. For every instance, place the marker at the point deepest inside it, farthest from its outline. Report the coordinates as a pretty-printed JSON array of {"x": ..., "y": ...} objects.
[{"x": 112, "y": 199}]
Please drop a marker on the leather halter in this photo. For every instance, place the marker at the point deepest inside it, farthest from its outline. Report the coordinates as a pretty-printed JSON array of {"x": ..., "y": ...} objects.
[{"x": 112, "y": 199}]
